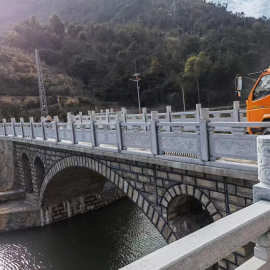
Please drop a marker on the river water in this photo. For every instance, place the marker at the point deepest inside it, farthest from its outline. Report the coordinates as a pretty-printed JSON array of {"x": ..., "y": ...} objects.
[{"x": 103, "y": 240}]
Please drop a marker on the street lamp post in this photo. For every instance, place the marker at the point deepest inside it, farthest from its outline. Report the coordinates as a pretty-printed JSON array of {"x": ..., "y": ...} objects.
[{"x": 137, "y": 80}]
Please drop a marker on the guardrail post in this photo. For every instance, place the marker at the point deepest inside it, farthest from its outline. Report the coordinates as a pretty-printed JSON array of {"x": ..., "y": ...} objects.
[
  {"x": 236, "y": 111},
  {"x": 198, "y": 111},
  {"x": 31, "y": 120},
  {"x": 154, "y": 134},
  {"x": 204, "y": 137},
  {"x": 93, "y": 132},
  {"x": 22, "y": 127},
  {"x": 5, "y": 126},
  {"x": 261, "y": 191}
]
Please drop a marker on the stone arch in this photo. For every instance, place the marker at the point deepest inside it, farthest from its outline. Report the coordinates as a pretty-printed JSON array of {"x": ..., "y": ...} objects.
[
  {"x": 39, "y": 172},
  {"x": 131, "y": 192},
  {"x": 187, "y": 198},
  {"x": 27, "y": 174}
]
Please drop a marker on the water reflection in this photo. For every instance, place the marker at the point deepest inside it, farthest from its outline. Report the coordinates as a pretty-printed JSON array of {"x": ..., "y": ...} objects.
[{"x": 103, "y": 240}]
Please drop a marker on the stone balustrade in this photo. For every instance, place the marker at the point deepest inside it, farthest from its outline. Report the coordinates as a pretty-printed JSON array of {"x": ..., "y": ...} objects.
[
  {"x": 197, "y": 141},
  {"x": 207, "y": 246}
]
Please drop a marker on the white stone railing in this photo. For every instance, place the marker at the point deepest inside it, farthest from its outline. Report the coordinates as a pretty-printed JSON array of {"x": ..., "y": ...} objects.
[
  {"x": 109, "y": 116},
  {"x": 202, "y": 140},
  {"x": 207, "y": 246}
]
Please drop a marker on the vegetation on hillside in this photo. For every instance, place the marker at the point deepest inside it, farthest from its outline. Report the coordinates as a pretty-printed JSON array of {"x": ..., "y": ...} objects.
[{"x": 176, "y": 45}]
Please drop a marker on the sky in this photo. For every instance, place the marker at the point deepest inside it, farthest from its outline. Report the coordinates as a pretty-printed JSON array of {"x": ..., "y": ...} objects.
[{"x": 254, "y": 8}]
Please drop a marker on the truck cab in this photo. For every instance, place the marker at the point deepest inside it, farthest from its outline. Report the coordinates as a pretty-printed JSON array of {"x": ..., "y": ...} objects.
[{"x": 258, "y": 102}]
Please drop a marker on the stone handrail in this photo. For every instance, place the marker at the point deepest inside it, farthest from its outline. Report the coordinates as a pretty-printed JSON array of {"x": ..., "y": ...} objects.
[
  {"x": 109, "y": 116},
  {"x": 207, "y": 246},
  {"x": 201, "y": 141}
]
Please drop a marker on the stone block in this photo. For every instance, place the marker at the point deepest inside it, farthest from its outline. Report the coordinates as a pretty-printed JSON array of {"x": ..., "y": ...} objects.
[
  {"x": 244, "y": 191},
  {"x": 135, "y": 195},
  {"x": 217, "y": 196},
  {"x": 145, "y": 206},
  {"x": 136, "y": 169},
  {"x": 189, "y": 180},
  {"x": 148, "y": 172},
  {"x": 161, "y": 174},
  {"x": 140, "y": 201},
  {"x": 175, "y": 177},
  {"x": 144, "y": 179},
  {"x": 206, "y": 183}
]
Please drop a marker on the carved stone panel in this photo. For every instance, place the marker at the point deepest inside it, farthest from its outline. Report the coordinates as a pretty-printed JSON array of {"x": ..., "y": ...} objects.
[
  {"x": 106, "y": 137},
  {"x": 141, "y": 140},
  {"x": 244, "y": 147},
  {"x": 180, "y": 143}
]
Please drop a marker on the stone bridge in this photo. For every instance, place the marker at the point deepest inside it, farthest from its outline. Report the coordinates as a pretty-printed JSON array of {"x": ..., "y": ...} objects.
[{"x": 53, "y": 171}]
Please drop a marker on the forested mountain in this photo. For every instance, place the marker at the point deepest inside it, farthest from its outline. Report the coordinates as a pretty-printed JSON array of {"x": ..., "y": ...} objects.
[{"x": 175, "y": 44}]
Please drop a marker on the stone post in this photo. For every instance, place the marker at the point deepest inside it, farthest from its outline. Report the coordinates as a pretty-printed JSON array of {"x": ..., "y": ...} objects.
[
  {"x": 236, "y": 111},
  {"x": 204, "y": 137},
  {"x": 31, "y": 120},
  {"x": 107, "y": 116},
  {"x": 154, "y": 135},
  {"x": 5, "y": 126},
  {"x": 13, "y": 122},
  {"x": 169, "y": 116},
  {"x": 124, "y": 114},
  {"x": 144, "y": 117},
  {"x": 22, "y": 126},
  {"x": 198, "y": 111},
  {"x": 261, "y": 191},
  {"x": 93, "y": 133},
  {"x": 43, "y": 128},
  {"x": 119, "y": 134}
]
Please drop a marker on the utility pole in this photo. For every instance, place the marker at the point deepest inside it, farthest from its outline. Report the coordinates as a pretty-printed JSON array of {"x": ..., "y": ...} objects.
[
  {"x": 137, "y": 80},
  {"x": 42, "y": 90}
]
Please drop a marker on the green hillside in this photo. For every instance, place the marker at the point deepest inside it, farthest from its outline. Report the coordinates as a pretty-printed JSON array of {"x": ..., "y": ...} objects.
[{"x": 174, "y": 44}]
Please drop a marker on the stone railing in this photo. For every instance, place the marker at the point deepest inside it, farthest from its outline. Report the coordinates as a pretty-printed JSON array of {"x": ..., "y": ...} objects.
[
  {"x": 109, "y": 116},
  {"x": 201, "y": 140},
  {"x": 207, "y": 246}
]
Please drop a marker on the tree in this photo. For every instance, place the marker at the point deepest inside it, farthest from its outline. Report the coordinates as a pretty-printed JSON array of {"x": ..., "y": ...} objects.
[
  {"x": 195, "y": 68},
  {"x": 56, "y": 25}
]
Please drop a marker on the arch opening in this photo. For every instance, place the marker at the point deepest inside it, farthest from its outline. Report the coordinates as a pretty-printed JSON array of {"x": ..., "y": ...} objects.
[
  {"x": 76, "y": 190},
  {"x": 27, "y": 175},
  {"x": 186, "y": 215},
  {"x": 39, "y": 172}
]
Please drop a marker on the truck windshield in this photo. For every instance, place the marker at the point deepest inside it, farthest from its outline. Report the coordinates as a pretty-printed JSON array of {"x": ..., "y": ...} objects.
[{"x": 263, "y": 88}]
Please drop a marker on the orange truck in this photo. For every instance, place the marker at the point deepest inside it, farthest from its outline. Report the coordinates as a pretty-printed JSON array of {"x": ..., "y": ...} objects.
[{"x": 258, "y": 101}]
